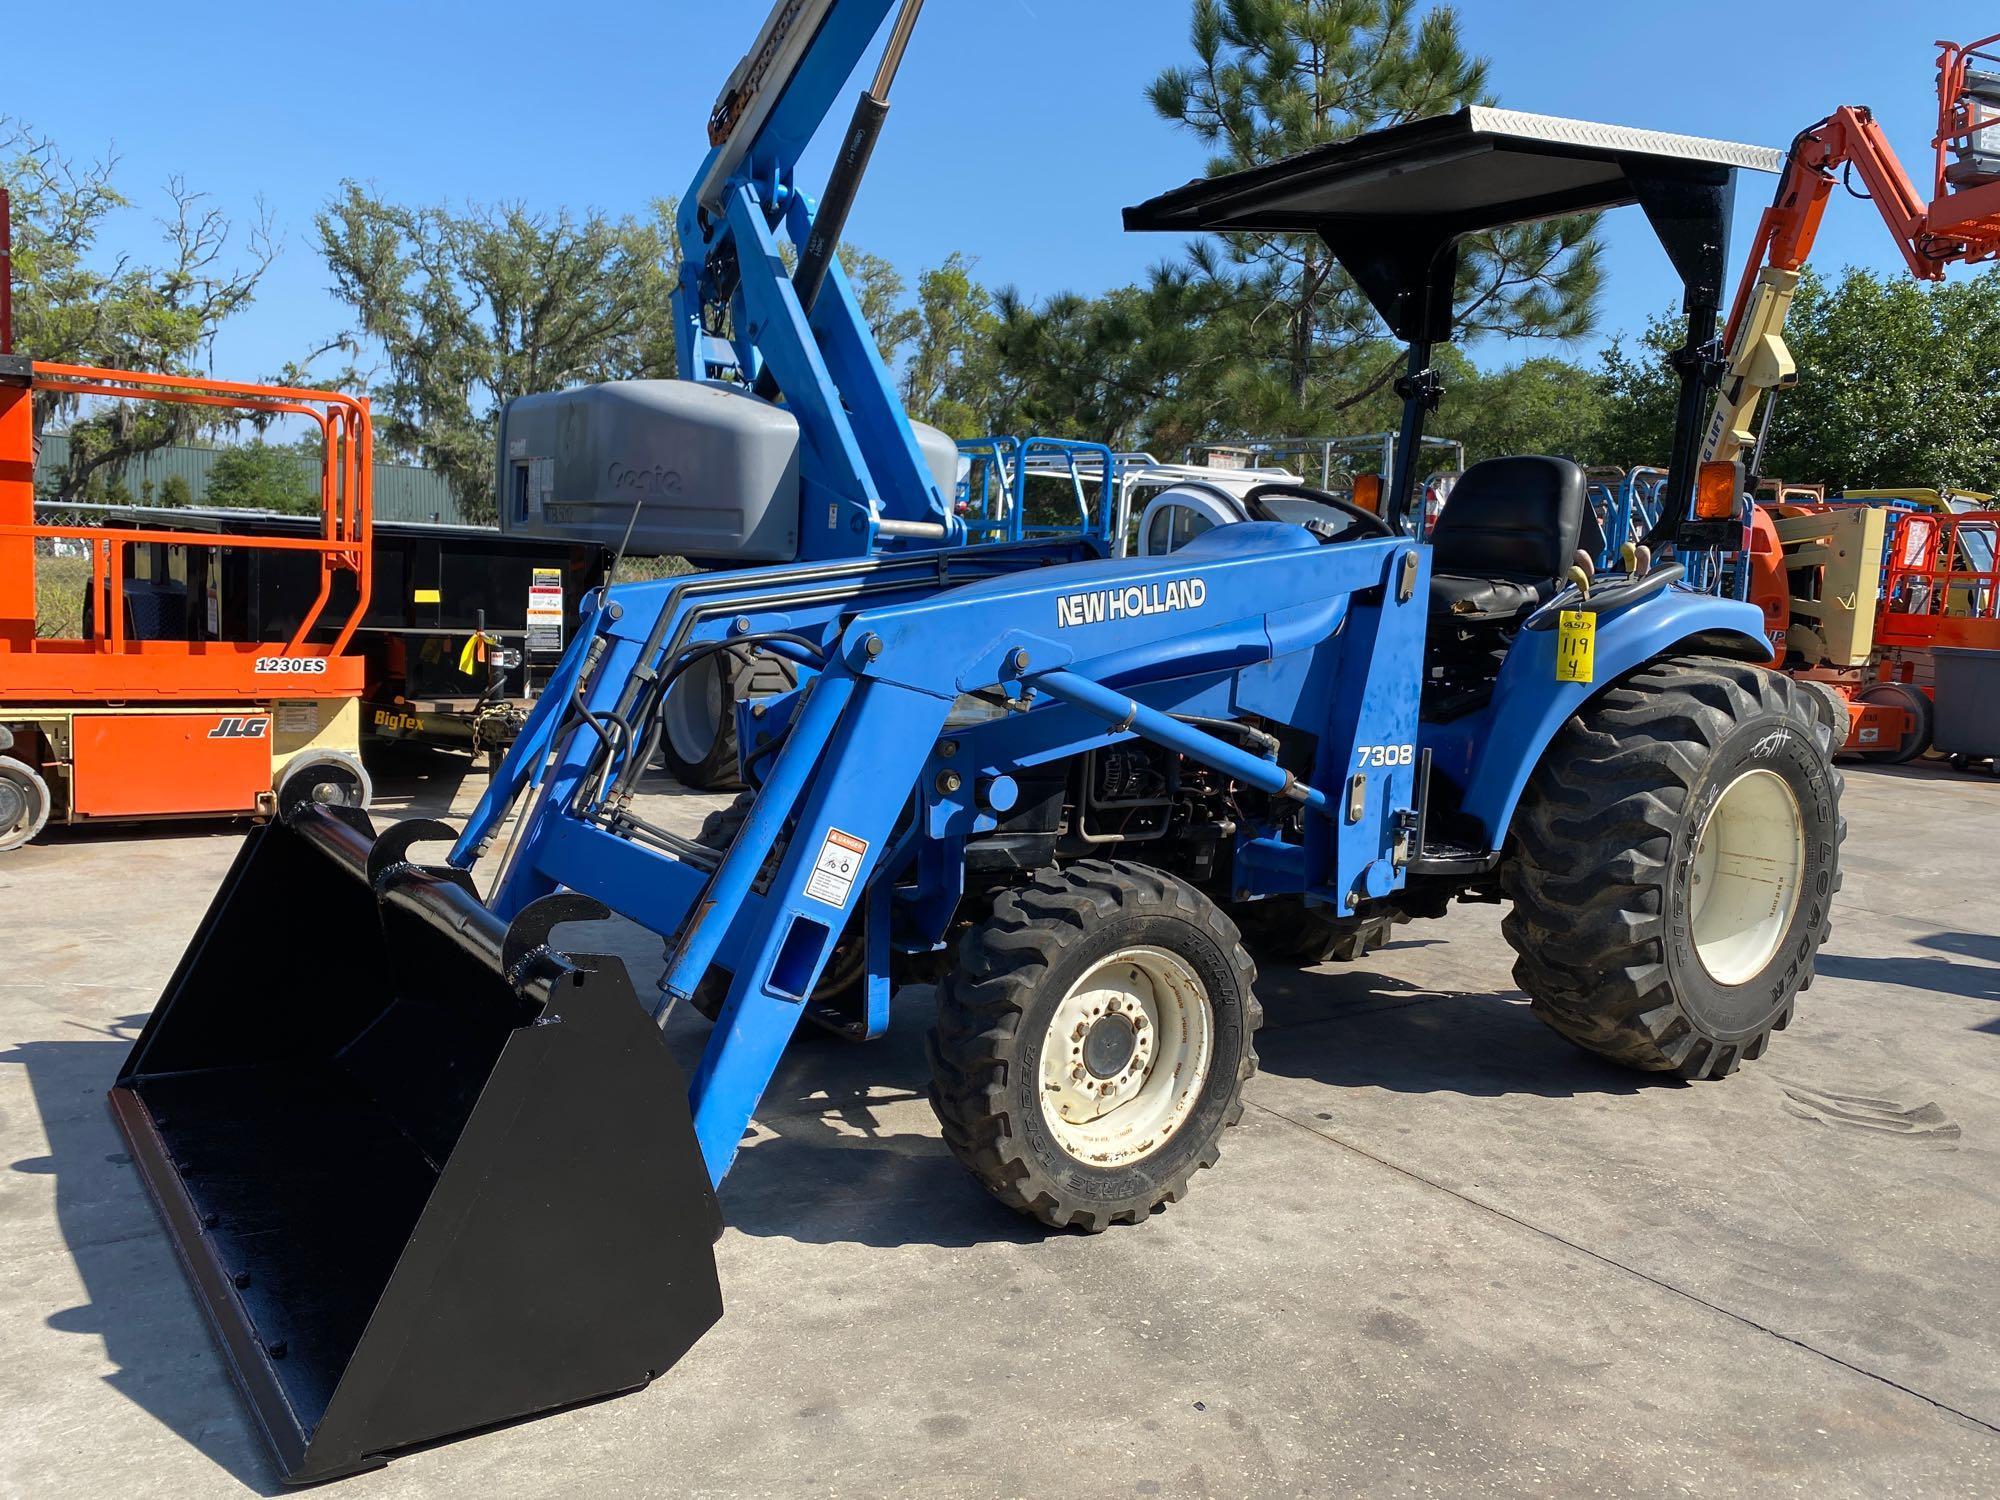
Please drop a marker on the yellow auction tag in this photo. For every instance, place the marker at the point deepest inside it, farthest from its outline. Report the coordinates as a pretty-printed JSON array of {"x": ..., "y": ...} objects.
[{"x": 1576, "y": 646}]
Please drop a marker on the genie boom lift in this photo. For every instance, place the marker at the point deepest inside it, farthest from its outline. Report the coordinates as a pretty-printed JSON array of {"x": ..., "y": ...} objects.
[{"x": 454, "y": 1177}]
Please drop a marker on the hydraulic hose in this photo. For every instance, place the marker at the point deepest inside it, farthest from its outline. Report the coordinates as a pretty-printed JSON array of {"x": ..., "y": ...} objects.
[
  {"x": 1267, "y": 743},
  {"x": 650, "y": 715}
]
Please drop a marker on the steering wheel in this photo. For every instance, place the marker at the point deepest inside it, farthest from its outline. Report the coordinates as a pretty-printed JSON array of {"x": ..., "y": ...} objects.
[{"x": 1370, "y": 523}]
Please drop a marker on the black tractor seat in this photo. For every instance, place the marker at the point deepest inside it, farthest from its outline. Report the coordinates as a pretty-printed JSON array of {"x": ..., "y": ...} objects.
[
  {"x": 1486, "y": 598},
  {"x": 1508, "y": 536}
]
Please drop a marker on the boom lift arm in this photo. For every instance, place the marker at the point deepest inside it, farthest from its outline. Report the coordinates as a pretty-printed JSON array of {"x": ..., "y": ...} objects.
[
  {"x": 742, "y": 321},
  {"x": 1961, "y": 225}
]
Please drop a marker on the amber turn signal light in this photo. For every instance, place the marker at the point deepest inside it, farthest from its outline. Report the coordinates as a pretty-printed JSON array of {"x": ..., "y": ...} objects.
[{"x": 1718, "y": 491}]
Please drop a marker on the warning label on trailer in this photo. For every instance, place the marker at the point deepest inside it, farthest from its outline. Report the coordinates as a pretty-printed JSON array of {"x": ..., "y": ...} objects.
[
  {"x": 545, "y": 611},
  {"x": 838, "y": 864}
]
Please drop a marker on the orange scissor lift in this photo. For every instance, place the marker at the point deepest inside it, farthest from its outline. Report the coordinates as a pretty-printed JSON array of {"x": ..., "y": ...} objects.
[
  {"x": 158, "y": 714},
  {"x": 1941, "y": 592}
]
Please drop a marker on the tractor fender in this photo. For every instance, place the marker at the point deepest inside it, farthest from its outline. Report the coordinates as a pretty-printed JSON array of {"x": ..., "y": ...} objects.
[{"x": 1502, "y": 747}]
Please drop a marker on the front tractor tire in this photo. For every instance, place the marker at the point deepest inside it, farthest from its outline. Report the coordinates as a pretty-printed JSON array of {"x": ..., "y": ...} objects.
[
  {"x": 1093, "y": 1043},
  {"x": 1673, "y": 866}
]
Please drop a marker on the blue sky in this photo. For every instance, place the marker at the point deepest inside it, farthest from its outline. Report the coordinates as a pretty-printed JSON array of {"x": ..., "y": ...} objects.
[{"x": 1020, "y": 128}]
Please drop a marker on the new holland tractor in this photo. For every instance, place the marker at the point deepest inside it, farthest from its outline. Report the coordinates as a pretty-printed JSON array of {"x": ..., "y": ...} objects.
[{"x": 452, "y": 1175}]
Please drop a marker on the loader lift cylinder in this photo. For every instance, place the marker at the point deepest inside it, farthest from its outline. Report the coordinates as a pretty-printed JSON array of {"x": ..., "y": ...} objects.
[{"x": 1124, "y": 713}]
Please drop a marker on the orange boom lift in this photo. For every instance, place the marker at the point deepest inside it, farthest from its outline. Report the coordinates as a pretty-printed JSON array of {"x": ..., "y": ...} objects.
[
  {"x": 154, "y": 711},
  {"x": 1959, "y": 224}
]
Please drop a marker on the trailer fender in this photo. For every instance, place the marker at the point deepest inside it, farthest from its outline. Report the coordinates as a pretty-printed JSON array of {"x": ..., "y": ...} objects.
[{"x": 1495, "y": 752}]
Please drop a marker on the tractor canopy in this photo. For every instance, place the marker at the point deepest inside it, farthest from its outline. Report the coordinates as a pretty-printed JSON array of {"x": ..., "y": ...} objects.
[{"x": 1394, "y": 204}]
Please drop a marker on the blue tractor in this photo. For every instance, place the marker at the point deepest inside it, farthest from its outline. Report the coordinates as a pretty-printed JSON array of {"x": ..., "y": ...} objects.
[{"x": 454, "y": 1174}]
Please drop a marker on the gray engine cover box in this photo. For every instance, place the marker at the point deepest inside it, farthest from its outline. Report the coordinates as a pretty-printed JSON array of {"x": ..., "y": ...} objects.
[{"x": 714, "y": 471}]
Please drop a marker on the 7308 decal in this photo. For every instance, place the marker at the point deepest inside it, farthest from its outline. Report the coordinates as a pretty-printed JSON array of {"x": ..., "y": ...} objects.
[
  {"x": 1385, "y": 755},
  {"x": 292, "y": 666}
]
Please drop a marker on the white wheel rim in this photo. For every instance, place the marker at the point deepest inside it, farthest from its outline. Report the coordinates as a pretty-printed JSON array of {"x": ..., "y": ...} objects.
[
  {"x": 1749, "y": 864},
  {"x": 33, "y": 815},
  {"x": 17, "y": 806},
  {"x": 694, "y": 710},
  {"x": 1125, "y": 1057}
]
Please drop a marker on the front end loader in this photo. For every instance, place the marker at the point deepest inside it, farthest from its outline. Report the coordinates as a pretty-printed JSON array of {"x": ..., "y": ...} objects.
[
  {"x": 443, "y": 1178},
  {"x": 449, "y": 1177}
]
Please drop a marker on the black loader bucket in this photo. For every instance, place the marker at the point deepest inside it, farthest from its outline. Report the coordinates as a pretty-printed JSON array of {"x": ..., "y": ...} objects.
[{"x": 426, "y": 1174}]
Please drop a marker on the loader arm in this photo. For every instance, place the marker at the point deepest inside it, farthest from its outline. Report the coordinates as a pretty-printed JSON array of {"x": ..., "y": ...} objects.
[{"x": 1085, "y": 655}]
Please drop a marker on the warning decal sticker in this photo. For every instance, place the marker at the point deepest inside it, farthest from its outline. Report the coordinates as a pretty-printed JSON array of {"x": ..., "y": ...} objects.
[
  {"x": 835, "y": 870},
  {"x": 545, "y": 611}
]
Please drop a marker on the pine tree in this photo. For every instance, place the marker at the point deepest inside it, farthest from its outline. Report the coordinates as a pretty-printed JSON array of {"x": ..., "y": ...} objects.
[
  {"x": 1273, "y": 78},
  {"x": 952, "y": 378}
]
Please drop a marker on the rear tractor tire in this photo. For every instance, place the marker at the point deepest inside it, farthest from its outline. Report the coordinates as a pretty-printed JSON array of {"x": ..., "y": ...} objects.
[
  {"x": 1093, "y": 1044},
  {"x": 1674, "y": 864}
]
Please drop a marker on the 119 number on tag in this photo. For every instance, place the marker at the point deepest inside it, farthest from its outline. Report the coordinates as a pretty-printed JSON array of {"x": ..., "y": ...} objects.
[{"x": 1576, "y": 646}]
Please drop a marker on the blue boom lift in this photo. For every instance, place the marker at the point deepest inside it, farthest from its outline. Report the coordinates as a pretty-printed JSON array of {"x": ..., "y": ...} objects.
[{"x": 453, "y": 1176}]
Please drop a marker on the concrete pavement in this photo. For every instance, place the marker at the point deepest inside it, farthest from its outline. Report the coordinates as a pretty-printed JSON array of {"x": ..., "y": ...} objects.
[{"x": 1444, "y": 1254}]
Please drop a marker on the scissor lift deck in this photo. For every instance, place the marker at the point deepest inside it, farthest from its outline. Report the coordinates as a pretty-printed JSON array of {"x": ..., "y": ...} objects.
[{"x": 170, "y": 711}]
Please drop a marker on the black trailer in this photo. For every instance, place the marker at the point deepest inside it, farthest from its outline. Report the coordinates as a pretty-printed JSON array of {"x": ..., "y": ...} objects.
[{"x": 462, "y": 629}]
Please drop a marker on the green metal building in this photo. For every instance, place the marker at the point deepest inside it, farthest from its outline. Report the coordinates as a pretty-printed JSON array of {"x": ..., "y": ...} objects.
[{"x": 403, "y": 492}]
